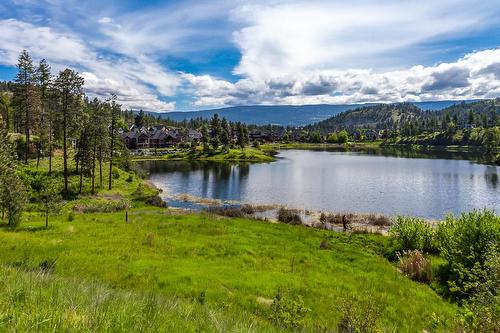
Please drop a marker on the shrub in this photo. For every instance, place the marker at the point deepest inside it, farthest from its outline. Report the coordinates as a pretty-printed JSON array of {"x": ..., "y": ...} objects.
[
  {"x": 289, "y": 216},
  {"x": 115, "y": 173},
  {"x": 413, "y": 234},
  {"x": 248, "y": 209},
  {"x": 359, "y": 317},
  {"x": 101, "y": 206},
  {"x": 482, "y": 311},
  {"x": 226, "y": 211},
  {"x": 71, "y": 217},
  {"x": 157, "y": 201},
  {"x": 378, "y": 220},
  {"x": 288, "y": 312},
  {"x": 464, "y": 243},
  {"x": 414, "y": 265},
  {"x": 130, "y": 178}
]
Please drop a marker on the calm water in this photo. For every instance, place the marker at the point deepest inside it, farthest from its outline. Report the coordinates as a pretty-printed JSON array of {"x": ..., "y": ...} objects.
[{"x": 339, "y": 181}]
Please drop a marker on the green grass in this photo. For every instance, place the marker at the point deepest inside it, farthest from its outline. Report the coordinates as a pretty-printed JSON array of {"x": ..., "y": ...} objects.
[
  {"x": 229, "y": 263},
  {"x": 34, "y": 301},
  {"x": 248, "y": 154}
]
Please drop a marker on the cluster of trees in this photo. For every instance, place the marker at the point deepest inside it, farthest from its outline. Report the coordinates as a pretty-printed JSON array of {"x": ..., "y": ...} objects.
[
  {"x": 53, "y": 112},
  {"x": 406, "y": 120},
  {"x": 221, "y": 132}
]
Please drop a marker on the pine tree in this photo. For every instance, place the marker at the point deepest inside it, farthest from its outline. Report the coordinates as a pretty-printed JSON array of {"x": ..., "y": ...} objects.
[
  {"x": 215, "y": 131},
  {"x": 46, "y": 118},
  {"x": 69, "y": 87},
  {"x": 27, "y": 100},
  {"x": 114, "y": 115},
  {"x": 49, "y": 198},
  {"x": 12, "y": 191}
]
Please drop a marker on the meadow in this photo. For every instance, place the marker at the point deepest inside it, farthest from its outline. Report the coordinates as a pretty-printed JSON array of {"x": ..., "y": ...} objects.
[{"x": 233, "y": 268}]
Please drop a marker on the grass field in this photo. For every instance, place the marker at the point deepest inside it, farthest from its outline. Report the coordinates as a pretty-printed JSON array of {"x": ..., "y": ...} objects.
[
  {"x": 221, "y": 274},
  {"x": 193, "y": 272}
]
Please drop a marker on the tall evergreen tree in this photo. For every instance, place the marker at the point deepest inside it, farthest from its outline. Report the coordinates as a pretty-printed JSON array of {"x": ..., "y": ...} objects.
[
  {"x": 69, "y": 87},
  {"x": 114, "y": 115},
  {"x": 46, "y": 118},
  {"x": 26, "y": 98},
  {"x": 12, "y": 191}
]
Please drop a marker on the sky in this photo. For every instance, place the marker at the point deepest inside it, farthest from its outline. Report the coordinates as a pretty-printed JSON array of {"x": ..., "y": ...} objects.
[{"x": 189, "y": 55}]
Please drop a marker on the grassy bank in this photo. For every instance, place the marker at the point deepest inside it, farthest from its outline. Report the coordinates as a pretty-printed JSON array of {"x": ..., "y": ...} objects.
[
  {"x": 224, "y": 266},
  {"x": 248, "y": 154}
]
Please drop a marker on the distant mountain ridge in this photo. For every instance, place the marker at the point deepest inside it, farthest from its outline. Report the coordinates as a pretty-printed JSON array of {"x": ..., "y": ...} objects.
[
  {"x": 285, "y": 115},
  {"x": 394, "y": 116}
]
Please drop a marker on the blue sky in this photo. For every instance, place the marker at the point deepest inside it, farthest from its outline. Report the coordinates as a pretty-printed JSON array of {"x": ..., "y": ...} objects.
[{"x": 185, "y": 55}]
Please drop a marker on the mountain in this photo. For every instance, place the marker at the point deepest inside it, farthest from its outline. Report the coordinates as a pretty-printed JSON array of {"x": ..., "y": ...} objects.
[
  {"x": 398, "y": 115},
  {"x": 285, "y": 115}
]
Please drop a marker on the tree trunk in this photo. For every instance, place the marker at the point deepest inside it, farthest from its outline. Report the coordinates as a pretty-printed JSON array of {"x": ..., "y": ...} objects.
[
  {"x": 38, "y": 151},
  {"x": 27, "y": 115},
  {"x": 111, "y": 150},
  {"x": 65, "y": 148},
  {"x": 81, "y": 181},
  {"x": 100, "y": 167},
  {"x": 50, "y": 142},
  {"x": 93, "y": 166}
]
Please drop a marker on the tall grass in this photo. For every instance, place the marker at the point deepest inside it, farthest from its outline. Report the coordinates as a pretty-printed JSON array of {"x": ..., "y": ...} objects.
[{"x": 34, "y": 301}]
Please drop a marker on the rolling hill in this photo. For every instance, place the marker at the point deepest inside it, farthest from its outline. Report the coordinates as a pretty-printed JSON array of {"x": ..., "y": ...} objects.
[{"x": 285, "y": 115}]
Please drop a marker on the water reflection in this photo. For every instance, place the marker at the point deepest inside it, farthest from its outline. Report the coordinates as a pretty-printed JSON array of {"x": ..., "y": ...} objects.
[{"x": 378, "y": 181}]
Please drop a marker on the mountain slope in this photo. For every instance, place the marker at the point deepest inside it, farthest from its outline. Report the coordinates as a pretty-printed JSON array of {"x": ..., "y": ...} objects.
[{"x": 285, "y": 115}]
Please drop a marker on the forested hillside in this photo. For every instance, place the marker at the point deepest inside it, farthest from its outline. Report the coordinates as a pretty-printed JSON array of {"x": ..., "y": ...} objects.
[{"x": 408, "y": 117}]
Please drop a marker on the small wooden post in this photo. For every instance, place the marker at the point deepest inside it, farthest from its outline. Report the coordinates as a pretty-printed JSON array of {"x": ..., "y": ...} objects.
[{"x": 126, "y": 216}]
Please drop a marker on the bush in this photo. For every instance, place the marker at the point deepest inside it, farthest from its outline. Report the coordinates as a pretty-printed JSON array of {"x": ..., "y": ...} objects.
[
  {"x": 378, "y": 220},
  {"x": 115, "y": 173},
  {"x": 482, "y": 311},
  {"x": 359, "y": 317},
  {"x": 226, "y": 211},
  {"x": 101, "y": 206},
  {"x": 71, "y": 217},
  {"x": 157, "y": 201},
  {"x": 289, "y": 216},
  {"x": 414, "y": 265},
  {"x": 464, "y": 243},
  {"x": 413, "y": 234},
  {"x": 288, "y": 312}
]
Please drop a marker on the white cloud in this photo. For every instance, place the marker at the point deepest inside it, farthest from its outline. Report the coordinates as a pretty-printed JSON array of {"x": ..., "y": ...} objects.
[
  {"x": 136, "y": 81},
  {"x": 473, "y": 76},
  {"x": 285, "y": 37},
  {"x": 105, "y": 20}
]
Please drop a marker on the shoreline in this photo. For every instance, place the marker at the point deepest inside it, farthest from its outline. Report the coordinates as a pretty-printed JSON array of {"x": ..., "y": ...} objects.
[{"x": 267, "y": 152}]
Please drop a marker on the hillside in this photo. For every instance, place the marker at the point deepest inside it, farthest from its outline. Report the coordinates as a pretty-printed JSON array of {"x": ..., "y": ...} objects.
[
  {"x": 285, "y": 115},
  {"x": 205, "y": 265},
  {"x": 397, "y": 116}
]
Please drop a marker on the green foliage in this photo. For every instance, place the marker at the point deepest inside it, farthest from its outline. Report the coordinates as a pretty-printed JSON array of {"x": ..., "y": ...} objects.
[
  {"x": 359, "y": 316},
  {"x": 13, "y": 195},
  {"x": 464, "y": 243},
  {"x": 342, "y": 137},
  {"x": 115, "y": 173},
  {"x": 332, "y": 138},
  {"x": 410, "y": 233},
  {"x": 482, "y": 311},
  {"x": 287, "y": 311}
]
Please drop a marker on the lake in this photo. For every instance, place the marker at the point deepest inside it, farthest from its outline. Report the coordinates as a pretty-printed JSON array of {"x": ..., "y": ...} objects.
[{"x": 362, "y": 182}]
